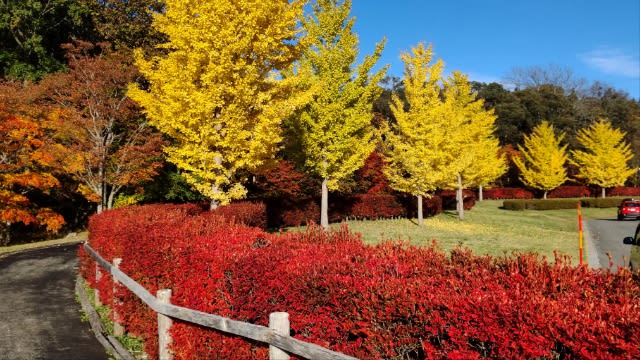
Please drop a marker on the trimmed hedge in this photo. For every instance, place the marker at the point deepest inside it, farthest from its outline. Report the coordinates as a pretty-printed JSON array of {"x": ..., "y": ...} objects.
[
  {"x": 554, "y": 204},
  {"x": 372, "y": 302},
  {"x": 569, "y": 192},
  {"x": 285, "y": 212},
  {"x": 600, "y": 202},
  {"x": 449, "y": 199},
  {"x": 506, "y": 193},
  {"x": 624, "y": 191},
  {"x": 250, "y": 213}
]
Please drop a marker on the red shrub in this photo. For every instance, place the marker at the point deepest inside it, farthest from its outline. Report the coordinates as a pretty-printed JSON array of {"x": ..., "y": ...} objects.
[
  {"x": 288, "y": 212},
  {"x": 431, "y": 206},
  {"x": 292, "y": 212},
  {"x": 282, "y": 180},
  {"x": 569, "y": 192},
  {"x": 449, "y": 199},
  {"x": 364, "y": 206},
  {"x": 249, "y": 213},
  {"x": 376, "y": 206},
  {"x": 506, "y": 193},
  {"x": 371, "y": 178},
  {"x": 387, "y": 301},
  {"x": 624, "y": 191}
]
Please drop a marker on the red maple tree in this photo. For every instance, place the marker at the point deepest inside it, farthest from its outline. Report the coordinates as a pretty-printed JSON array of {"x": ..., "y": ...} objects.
[{"x": 103, "y": 141}]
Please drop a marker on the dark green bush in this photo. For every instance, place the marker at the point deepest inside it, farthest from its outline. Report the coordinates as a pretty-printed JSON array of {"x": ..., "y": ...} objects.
[
  {"x": 514, "y": 204},
  {"x": 554, "y": 204},
  {"x": 601, "y": 203}
]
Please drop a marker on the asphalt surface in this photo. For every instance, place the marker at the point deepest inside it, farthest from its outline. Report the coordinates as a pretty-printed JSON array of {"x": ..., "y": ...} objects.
[
  {"x": 604, "y": 242},
  {"x": 39, "y": 316}
]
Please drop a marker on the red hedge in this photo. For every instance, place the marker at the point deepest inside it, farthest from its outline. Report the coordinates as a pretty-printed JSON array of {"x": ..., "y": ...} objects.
[
  {"x": 387, "y": 301},
  {"x": 569, "y": 192},
  {"x": 296, "y": 212},
  {"x": 506, "y": 193},
  {"x": 449, "y": 199},
  {"x": 624, "y": 191},
  {"x": 249, "y": 213}
]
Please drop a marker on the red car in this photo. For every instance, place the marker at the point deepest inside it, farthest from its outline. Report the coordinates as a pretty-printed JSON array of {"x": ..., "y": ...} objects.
[{"x": 629, "y": 208}]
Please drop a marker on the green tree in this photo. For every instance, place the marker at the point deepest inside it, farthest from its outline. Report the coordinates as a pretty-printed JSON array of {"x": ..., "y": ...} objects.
[
  {"x": 31, "y": 32},
  {"x": 217, "y": 92},
  {"x": 604, "y": 160},
  {"x": 511, "y": 120},
  {"x": 543, "y": 159},
  {"x": 126, "y": 23},
  {"x": 334, "y": 128},
  {"x": 418, "y": 153}
]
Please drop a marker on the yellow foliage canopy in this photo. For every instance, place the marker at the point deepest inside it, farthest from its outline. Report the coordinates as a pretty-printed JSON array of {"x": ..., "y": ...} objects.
[
  {"x": 543, "y": 159},
  {"x": 604, "y": 160},
  {"x": 216, "y": 92}
]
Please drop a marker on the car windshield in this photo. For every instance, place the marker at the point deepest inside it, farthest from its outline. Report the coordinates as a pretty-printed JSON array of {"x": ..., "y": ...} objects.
[{"x": 631, "y": 204}]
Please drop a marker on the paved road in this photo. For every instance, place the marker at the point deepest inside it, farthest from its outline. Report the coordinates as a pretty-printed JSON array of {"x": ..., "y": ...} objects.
[
  {"x": 39, "y": 316},
  {"x": 603, "y": 237}
]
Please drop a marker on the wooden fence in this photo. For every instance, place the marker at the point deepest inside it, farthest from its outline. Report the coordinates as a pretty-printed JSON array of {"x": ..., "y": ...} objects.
[{"x": 276, "y": 335}]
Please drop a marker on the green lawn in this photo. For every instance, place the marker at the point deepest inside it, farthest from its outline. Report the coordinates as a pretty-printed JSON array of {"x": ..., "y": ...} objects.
[{"x": 488, "y": 229}]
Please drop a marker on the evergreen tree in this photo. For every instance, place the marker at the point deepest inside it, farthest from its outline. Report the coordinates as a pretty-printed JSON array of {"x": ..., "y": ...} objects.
[
  {"x": 542, "y": 165},
  {"x": 604, "y": 160}
]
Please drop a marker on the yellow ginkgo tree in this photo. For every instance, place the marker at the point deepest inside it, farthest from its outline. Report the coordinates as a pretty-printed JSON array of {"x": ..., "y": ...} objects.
[
  {"x": 605, "y": 159},
  {"x": 417, "y": 150},
  {"x": 217, "y": 92},
  {"x": 542, "y": 165},
  {"x": 335, "y": 128},
  {"x": 443, "y": 136},
  {"x": 471, "y": 138}
]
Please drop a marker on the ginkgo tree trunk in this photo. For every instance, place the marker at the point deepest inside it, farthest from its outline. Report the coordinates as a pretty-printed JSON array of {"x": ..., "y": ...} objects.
[
  {"x": 542, "y": 165},
  {"x": 604, "y": 160},
  {"x": 217, "y": 92},
  {"x": 335, "y": 130}
]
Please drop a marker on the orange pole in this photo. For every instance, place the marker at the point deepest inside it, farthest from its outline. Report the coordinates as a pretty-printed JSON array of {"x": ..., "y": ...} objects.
[{"x": 580, "y": 230}]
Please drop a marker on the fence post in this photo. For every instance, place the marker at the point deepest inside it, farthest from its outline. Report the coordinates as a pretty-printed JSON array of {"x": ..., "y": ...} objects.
[
  {"x": 164, "y": 323},
  {"x": 279, "y": 323},
  {"x": 97, "y": 292},
  {"x": 118, "y": 329}
]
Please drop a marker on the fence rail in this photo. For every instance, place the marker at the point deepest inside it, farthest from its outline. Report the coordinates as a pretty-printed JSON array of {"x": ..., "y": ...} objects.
[{"x": 276, "y": 335}]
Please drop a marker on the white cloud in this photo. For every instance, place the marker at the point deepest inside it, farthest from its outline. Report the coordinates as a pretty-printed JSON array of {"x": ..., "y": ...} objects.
[{"x": 613, "y": 61}]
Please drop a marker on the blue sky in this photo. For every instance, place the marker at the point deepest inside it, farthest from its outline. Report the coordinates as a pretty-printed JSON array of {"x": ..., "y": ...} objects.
[{"x": 596, "y": 39}]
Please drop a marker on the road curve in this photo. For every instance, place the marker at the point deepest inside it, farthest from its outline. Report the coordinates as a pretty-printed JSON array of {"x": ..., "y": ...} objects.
[
  {"x": 39, "y": 316},
  {"x": 603, "y": 238}
]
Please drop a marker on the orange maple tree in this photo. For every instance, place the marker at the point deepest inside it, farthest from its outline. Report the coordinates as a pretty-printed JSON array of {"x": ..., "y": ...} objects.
[
  {"x": 102, "y": 140},
  {"x": 25, "y": 170}
]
